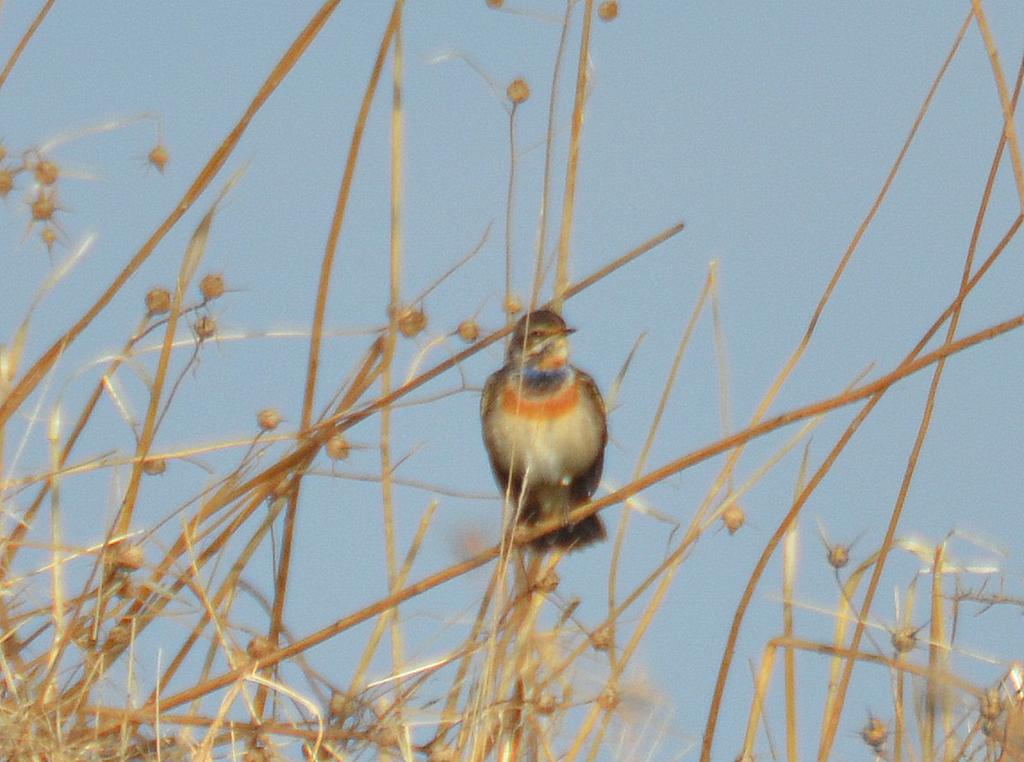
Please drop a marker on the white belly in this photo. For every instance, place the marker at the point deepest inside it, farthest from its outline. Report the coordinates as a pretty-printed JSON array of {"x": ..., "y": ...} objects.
[{"x": 548, "y": 451}]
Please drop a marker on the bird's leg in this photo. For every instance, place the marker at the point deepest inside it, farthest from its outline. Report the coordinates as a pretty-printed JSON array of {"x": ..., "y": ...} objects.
[{"x": 563, "y": 501}]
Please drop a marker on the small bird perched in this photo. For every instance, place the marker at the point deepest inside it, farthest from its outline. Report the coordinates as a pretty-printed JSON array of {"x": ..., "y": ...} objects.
[{"x": 545, "y": 429}]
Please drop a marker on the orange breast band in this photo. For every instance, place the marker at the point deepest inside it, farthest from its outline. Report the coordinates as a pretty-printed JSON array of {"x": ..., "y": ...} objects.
[{"x": 547, "y": 407}]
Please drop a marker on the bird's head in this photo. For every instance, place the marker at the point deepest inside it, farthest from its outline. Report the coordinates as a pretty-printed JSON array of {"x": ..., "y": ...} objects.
[{"x": 540, "y": 342}]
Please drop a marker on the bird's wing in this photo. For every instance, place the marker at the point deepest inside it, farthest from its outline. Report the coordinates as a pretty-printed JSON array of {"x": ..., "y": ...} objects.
[
  {"x": 489, "y": 407},
  {"x": 586, "y": 483}
]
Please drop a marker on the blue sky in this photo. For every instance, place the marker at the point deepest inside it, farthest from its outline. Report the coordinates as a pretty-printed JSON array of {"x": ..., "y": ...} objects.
[{"x": 768, "y": 129}]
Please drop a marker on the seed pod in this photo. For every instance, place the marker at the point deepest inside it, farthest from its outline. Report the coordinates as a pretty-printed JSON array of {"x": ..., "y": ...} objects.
[
  {"x": 158, "y": 301},
  {"x": 127, "y": 557},
  {"x": 469, "y": 331},
  {"x": 548, "y": 583},
  {"x": 212, "y": 286},
  {"x": 875, "y": 733},
  {"x": 734, "y": 518},
  {"x": 159, "y": 157},
  {"x": 839, "y": 556},
  {"x": 48, "y": 235},
  {"x": 601, "y": 639},
  {"x": 268, "y": 419},
  {"x": 119, "y": 634},
  {"x": 904, "y": 639},
  {"x": 518, "y": 91},
  {"x": 608, "y": 10},
  {"x": 205, "y": 327},
  {"x": 609, "y": 699},
  {"x": 6, "y": 181},
  {"x": 337, "y": 447},
  {"x": 259, "y": 647},
  {"x": 43, "y": 206},
  {"x": 46, "y": 172},
  {"x": 411, "y": 321}
]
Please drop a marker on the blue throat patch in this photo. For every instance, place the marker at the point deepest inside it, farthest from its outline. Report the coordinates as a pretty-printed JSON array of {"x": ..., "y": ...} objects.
[{"x": 537, "y": 380}]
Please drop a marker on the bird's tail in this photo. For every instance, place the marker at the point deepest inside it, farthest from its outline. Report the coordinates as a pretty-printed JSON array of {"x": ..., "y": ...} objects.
[{"x": 572, "y": 536}]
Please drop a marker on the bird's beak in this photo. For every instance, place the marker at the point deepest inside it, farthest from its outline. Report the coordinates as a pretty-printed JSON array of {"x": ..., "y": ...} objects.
[{"x": 568, "y": 331}]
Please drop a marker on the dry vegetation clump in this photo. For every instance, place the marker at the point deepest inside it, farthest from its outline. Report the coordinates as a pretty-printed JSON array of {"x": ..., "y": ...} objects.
[{"x": 151, "y": 628}]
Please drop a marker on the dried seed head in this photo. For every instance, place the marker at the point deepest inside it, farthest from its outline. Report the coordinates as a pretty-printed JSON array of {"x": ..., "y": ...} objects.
[
  {"x": 546, "y": 704},
  {"x": 439, "y": 752},
  {"x": 259, "y": 647},
  {"x": 268, "y": 419},
  {"x": 342, "y": 706},
  {"x": 384, "y": 735},
  {"x": 469, "y": 331},
  {"x": 48, "y": 235},
  {"x": 601, "y": 639},
  {"x": 46, "y": 172},
  {"x": 154, "y": 466},
  {"x": 158, "y": 301},
  {"x": 127, "y": 557},
  {"x": 43, "y": 206},
  {"x": 411, "y": 321},
  {"x": 838, "y": 556},
  {"x": 875, "y": 733},
  {"x": 6, "y": 180},
  {"x": 608, "y": 10},
  {"x": 609, "y": 699},
  {"x": 83, "y": 637},
  {"x": 119, "y": 634},
  {"x": 991, "y": 704},
  {"x": 495, "y": 3},
  {"x": 733, "y": 518},
  {"x": 513, "y": 304},
  {"x": 159, "y": 157},
  {"x": 548, "y": 583},
  {"x": 212, "y": 286},
  {"x": 337, "y": 447},
  {"x": 518, "y": 91},
  {"x": 904, "y": 639},
  {"x": 256, "y": 754},
  {"x": 205, "y": 327}
]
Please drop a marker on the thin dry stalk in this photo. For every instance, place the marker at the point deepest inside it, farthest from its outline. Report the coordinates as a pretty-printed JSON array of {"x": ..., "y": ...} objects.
[
  {"x": 226, "y": 589},
  {"x": 949, "y": 679},
  {"x": 764, "y": 677},
  {"x": 641, "y": 464},
  {"x": 716, "y": 700},
  {"x": 451, "y": 702},
  {"x": 316, "y": 334},
  {"x": 938, "y": 699},
  {"x": 665, "y": 572},
  {"x": 387, "y": 487},
  {"x": 510, "y": 195},
  {"x": 832, "y": 722},
  {"x": 194, "y": 253},
  {"x": 1009, "y": 129},
  {"x": 23, "y": 42},
  {"x": 390, "y": 601},
  {"x": 569, "y": 199},
  {"x": 32, "y": 377},
  {"x": 549, "y": 152},
  {"x": 403, "y": 575},
  {"x": 789, "y": 562}
]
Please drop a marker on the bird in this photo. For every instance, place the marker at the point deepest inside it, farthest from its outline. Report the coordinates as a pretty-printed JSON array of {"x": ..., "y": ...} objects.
[{"x": 545, "y": 429}]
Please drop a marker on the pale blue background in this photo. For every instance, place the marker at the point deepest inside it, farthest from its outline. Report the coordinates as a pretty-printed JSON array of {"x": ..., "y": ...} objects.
[{"x": 767, "y": 128}]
